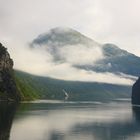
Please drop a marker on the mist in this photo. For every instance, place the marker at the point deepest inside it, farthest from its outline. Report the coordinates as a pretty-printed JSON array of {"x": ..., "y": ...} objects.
[{"x": 40, "y": 61}]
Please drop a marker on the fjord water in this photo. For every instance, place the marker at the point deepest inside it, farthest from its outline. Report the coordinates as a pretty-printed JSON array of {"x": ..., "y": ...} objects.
[{"x": 64, "y": 120}]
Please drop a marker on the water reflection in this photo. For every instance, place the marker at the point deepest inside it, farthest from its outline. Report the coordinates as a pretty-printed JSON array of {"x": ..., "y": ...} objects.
[
  {"x": 71, "y": 121},
  {"x": 136, "y": 113},
  {"x": 128, "y": 129},
  {"x": 7, "y": 112}
]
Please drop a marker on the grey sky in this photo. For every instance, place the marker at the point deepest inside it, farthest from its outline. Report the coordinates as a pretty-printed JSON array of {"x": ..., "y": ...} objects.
[
  {"x": 112, "y": 21},
  {"x": 116, "y": 21}
]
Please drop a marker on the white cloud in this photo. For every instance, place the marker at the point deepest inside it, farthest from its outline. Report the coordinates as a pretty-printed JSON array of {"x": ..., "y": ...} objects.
[
  {"x": 67, "y": 72},
  {"x": 81, "y": 54},
  {"x": 40, "y": 62}
]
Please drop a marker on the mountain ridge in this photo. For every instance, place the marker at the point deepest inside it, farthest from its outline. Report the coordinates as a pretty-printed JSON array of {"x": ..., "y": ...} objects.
[
  {"x": 101, "y": 58},
  {"x": 63, "y": 32}
]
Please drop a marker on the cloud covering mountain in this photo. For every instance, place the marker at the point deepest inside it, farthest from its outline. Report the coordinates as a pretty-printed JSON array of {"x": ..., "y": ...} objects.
[{"x": 64, "y": 53}]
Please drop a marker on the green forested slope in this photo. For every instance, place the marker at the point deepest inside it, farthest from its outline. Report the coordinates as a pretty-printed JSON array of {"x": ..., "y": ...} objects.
[{"x": 36, "y": 87}]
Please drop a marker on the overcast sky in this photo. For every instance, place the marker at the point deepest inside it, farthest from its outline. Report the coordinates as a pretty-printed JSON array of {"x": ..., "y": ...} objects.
[{"x": 114, "y": 21}]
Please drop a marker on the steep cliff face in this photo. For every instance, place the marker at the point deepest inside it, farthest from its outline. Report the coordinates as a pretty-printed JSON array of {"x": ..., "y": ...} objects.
[
  {"x": 8, "y": 89},
  {"x": 136, "y": 93}
]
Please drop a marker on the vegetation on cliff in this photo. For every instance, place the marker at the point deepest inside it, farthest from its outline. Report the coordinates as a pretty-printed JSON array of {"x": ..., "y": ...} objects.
[
  {"x": 33, "y": 87},
  {"x": 26, "y": 87}
]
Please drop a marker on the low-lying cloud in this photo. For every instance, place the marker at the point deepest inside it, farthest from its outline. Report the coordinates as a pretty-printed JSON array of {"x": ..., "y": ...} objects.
[
  {"x": 81, "y": 55},
  {"x": 39, "y": 61}
]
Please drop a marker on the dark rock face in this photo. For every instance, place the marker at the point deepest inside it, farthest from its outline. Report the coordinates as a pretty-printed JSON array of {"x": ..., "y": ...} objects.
[
  {"x": 8, "y": 89},
  {"x": 136, "y": 93}
]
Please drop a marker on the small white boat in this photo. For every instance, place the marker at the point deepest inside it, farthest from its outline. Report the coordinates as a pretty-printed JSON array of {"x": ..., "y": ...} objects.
[{"x": 66, "y": 94}]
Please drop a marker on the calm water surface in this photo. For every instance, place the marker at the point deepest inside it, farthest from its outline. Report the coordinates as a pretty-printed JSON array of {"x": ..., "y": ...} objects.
[{"x": 59, "y": 120}]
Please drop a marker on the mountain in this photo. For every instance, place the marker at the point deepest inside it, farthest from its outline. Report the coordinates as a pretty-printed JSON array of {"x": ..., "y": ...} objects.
[
  {"x": 67, "y": 46},
  {"x": 62, "y": 36},
  {"x": 58, "y": 39},
  {"x": 62, "y": 42},
  {"x": 8, "y": 88},
  {"x": 118, "y": 61},
  {"x": 33, "y": 87}
]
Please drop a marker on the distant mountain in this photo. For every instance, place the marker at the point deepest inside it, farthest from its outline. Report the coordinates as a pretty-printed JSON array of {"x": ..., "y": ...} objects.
[
  {"x": 61, "y": 36},
  {"x": 34, "y": 87},
  {"x": 118, "y": 61},
  {"x": 68, "y": 46},
  {"x": 114, "y": 59}
]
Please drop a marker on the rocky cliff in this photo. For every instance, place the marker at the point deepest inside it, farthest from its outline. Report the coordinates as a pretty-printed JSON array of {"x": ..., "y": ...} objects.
[
  {"x": 8, "y": 88},
  {"x": 136, "y": 92}
]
